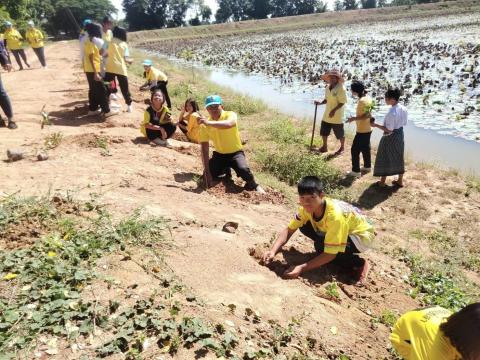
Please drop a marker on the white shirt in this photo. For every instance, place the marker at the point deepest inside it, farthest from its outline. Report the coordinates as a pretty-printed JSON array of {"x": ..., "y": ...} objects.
[{"x": 396, "y": 118}]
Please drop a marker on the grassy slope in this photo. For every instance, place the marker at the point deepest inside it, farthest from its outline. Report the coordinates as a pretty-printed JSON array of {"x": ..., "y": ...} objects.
[{"x": 307, "y": 21}]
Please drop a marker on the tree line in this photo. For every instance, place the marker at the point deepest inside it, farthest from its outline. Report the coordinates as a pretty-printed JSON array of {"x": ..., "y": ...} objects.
[{"x": 63, "y": 16}]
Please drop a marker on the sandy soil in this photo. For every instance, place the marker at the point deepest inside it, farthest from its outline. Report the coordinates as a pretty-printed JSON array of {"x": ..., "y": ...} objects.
[{"x": 109, "y": 159}]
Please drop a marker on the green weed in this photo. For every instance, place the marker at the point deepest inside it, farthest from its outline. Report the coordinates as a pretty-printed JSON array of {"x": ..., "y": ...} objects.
[
  {"x": 388, "y": 317},
  {"x": 53, "y": 140},
  {"x": 283, "y": 130},
  {"x": 332, "y": 291},
  {"x": 290, "y": 163}
]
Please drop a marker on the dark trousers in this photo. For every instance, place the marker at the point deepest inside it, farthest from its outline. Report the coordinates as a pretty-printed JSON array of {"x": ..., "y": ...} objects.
[
  {"x": 162, "y": 85},
  {"x": 20, "y": 53},
  {"x": 155, "y": 134},
  {"x": 220, "y": 164},
  {"x": 361, "y": 145},
  {"x": 123, "y": 82},
  {"x": 97, "y": 94},
  {"x": 5, "y": 103},
  {"x": 41, "y": 55},
  {"x": 347, "y": 259}
]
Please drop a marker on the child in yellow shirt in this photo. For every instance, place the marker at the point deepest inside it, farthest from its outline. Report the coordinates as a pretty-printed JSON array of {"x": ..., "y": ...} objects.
[
  {"x": 434, "y": 334},
  {"x": 15, "y": 44},
  {"x": 157, "y": 123},
  {"x": 339, "y": 231},
  {"x": 188, "y": 120},
  {"x": 35, "y": 38}
]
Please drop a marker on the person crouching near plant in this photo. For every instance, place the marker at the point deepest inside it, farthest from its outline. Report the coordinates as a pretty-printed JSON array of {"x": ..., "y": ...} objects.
[
  {"x": 390, "y": 154},
  {"x": 222, "y": 129},
  {"x": 361, "y": 141},
  {"x": 339, "y": 232},
  {"x": 156, "y": 79},
  {"x": 435, "y": 333},
  {"x": 157, "y": 123},
  {"x": 188, "y": 120}
]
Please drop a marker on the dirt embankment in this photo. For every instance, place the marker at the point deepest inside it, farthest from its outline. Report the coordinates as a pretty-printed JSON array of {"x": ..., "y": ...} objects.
[{"x": 110, "y": 160}]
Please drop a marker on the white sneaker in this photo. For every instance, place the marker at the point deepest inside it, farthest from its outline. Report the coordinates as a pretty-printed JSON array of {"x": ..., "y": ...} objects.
[
  {"x": 160, "y": 142},
  {"x": 112, "y": 112},
  {"x": 115, "y": 106},
  {"x": 365, "y": 169},
  {"x": 113, "y": 97},
  {"x": 130, "y": 108},
  {"x": 95, "y": 112},
  {"x": 260, "y": 190},
  {"x": 354, "y": 174}
]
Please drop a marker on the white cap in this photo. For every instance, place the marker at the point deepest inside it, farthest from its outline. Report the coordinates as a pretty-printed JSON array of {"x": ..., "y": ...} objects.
[{"x": 31, "y": 23}]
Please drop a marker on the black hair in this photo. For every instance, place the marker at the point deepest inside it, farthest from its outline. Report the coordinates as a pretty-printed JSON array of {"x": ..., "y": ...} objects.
[
  {"x": 463, "y": 330},
  {"x": 157, "y": 90},
  {"x": 310, "y": 185},
  {"x": 119, "y": 33},
  {"x": 192, "y": 102},
  {"x": 94, "y": 30},
  {"x": 358, "y": 87},
  {"x": 106, "y": 19},
  {"x": 394, "y": 94}
]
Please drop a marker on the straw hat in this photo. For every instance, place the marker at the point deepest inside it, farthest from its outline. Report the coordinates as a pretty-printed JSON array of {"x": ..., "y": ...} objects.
[{"x": 335, "y": 73}]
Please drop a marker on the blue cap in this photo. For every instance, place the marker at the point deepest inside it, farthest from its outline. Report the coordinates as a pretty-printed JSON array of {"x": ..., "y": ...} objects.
[
  {"x": 86, "y": 22},
  {"x": 147, "y": 62},
  {"x": 213, "y": 100},
  {"x": 8, "y": 23}
]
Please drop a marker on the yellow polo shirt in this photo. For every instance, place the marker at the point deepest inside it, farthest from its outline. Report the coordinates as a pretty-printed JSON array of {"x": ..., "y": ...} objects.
[
  {"x": 193, "y": 129},
  {"x": 117, "y": 51},
  {"x": 338, "y": 222},
  {"x": 417, "y": 336},
  {"x": 364, "y": 104},
  {"x": 225, "y": 141},
  {"x": 14, "y": 39},
  {"x": 156, "y": 75},
  {"x": 91, "y": 49},
  {"x": 336, "y": 96},
  {"x": 107, "y": 36},
  {"x": 35, "y": 38}
]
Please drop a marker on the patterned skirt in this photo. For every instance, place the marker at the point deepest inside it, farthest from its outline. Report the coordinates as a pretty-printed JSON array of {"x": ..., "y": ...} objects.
[{"x": 390, "y": 155}]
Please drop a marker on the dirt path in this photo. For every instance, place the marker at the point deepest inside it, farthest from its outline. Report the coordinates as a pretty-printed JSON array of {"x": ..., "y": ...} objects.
[{"x": 109, "y": 160}]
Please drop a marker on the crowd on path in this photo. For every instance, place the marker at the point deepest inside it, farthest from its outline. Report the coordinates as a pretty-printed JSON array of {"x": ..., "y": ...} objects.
[{"x": 340, "y": 231}]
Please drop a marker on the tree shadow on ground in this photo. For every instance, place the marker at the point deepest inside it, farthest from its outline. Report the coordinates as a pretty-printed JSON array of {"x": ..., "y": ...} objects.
[
  {"x": 374, "y": 195},
  {"x": 75, "y": 117},
  {"x": 75, "y": 104},
  {"x": 322, "y": 275},
  {"x": 184, "y": 177},
  {"x": 140, "y": 140}
]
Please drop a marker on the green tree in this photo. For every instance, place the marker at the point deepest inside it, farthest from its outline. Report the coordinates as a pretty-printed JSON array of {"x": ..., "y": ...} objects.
[
  {"x": 381, "y": 3},
  {"x": 350, "y": 4},
  {"x": 369, "y": 4},
  {"x": 338, "y": 5},
  {"x": 202, "y": 12},
  {"x": 145, "y": 14},
  {"x": 235, "y": 10},
  {"x": 177, "y": 11},
  {"x": 260, "y": 9}
]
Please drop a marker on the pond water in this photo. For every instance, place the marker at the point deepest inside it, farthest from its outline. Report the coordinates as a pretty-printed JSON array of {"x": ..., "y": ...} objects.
[{"x": 425, "y": 145}]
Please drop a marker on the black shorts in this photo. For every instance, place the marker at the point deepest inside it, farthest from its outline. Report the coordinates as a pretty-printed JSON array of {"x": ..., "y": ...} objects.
[
  {"x": 326, "y": 128},
  {"x": 154, "y": 134}
]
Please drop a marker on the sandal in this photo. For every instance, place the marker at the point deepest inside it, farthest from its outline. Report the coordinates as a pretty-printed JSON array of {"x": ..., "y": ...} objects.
[
  {"x": 397, "y": 184},
  {"x": 12, "y": 125}
]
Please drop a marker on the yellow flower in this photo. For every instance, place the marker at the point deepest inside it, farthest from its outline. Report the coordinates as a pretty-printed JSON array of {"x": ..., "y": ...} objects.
[
  {"x": 52, "y": 254},
  {"x": 9, "y": 276}
]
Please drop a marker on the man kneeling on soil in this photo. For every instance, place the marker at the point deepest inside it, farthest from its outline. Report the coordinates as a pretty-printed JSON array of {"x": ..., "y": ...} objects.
[
  {"x": 221, "y": 127},
  {"x": 338, "y": 229}
]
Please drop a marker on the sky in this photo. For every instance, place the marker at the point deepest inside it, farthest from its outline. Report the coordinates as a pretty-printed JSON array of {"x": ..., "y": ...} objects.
[{"x": 212, "y": 3}]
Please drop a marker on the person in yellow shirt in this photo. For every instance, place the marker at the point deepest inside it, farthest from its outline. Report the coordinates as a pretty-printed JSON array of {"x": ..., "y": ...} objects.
[
  {"x": 97, "y": 93},
  {"x": 116, "y": 63},
  {"x": 222, "y": 129},
  {"x": 156, "y": 79},
  {"x": 157, "y": 123},
  {"x": 335, "y": 100},
  {"x": 339, "y": 231},
  {"x": 35, "y": 38},
  {"x": 188, "y": 120},
  {"x": 361, "y": 142},
  {"x": 435, "y": 333},
  {"x": 14, "y": 44}
]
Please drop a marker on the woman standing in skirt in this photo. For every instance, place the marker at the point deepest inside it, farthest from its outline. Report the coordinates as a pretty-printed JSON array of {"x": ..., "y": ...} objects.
[{"x": 390, "y": 155}]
